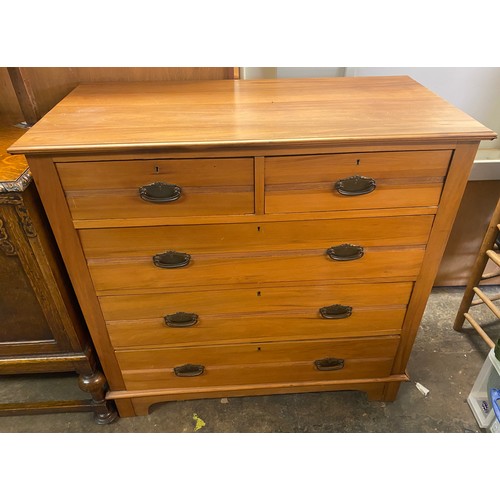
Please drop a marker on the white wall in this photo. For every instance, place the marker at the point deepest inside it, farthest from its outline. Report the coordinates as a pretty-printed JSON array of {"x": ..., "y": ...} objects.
[
  {"x": 309, "y": 72},
  {"x": 281, "y": 72}
]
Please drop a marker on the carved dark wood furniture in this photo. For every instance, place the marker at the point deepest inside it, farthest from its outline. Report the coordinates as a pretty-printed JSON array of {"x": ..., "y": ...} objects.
[{"x": 41, "y": 328}]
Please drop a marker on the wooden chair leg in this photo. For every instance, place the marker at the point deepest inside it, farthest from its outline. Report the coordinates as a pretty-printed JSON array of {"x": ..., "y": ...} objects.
[{"x": 478, "y": 269}]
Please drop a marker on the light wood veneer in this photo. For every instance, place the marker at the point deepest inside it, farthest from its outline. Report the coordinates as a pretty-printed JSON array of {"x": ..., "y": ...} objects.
[{"x": 259, "y": 165}]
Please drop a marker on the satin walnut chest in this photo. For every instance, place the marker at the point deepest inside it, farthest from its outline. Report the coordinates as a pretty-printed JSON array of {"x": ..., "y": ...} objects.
[{"x": 231, "y": 238}]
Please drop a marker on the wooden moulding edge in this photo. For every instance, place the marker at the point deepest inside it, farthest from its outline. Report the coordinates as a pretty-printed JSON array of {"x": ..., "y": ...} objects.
[{"x": 251, "y": 388}]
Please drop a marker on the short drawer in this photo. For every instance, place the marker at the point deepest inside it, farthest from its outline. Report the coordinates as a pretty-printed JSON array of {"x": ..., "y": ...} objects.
[
  {"x": 130, "y": 189},
  {"x": 313, "y": 183},
  {"x": 273, "y": 362},
  {"x": 255, "y": 314}
]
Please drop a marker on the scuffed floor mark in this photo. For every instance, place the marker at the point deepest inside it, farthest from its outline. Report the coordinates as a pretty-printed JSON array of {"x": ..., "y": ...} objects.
[{"x": 199, "y": 422}]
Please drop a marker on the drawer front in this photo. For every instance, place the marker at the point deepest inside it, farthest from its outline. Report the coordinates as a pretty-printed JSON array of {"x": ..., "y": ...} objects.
[
  {"x": 111, "y": 189},
  {"x": 313, "y": 183},
  {"x": 262, "y": 237},
  {"x": 391, "y": 247},
  {"x": 274, "y": 362},
  {"x": 251, "y": 314},
  {"x": 114, "y": 275}
]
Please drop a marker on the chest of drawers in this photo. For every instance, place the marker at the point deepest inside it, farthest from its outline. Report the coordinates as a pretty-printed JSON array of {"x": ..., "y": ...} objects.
[{"x": 252, "y": 237}]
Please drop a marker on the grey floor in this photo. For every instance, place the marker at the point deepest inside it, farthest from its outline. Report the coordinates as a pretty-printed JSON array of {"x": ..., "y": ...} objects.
[{"x": 444, "y": 361}]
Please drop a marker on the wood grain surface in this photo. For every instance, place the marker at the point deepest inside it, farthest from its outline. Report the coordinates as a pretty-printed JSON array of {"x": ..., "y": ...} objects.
[
  {"x": 199, "y": 172},
  {"x": 255, "y": 299},
  {"x": 115, "y": 243},
  {"x": 11, "y": 167},
  {"x": 111, "y": 189},
  {"x": 260, "y": 327},
  {"x": 380, "y": 165},
  {"x": 256, "y": 314},
  {"x": 402, "y": 179},
  {"x": 452, "y": 195},
  {"x": 257, "y": 363},
  {"x": 229, "y": 113},
  {"x": 112, "y": 276},
  {"x": 52, "y": 195},
  {"x": 10, "y": 111},
  {"x": 49, "y": 85},
  {"x": 256, "y": 279}
]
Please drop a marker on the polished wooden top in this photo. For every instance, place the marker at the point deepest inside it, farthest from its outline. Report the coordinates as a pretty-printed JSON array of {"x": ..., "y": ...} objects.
[
  {"x": 246, "y": 113},
  {"x": 14, "y": 174}
]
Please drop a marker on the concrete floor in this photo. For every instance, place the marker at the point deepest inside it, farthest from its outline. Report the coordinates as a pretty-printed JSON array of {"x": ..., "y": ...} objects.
[{"x": 444, "y": 361}]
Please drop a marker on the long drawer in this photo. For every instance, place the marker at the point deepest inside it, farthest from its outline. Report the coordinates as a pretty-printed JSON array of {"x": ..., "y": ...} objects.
[
  {"x": 313, "y": 266},
  {"x": 130, "y": 189},
  {"x": 190, "y": 256},
  {"x": 354, "y": 181},
  {"x": 256, "y": 237},
  {"x": 250, "y": 314},
  {"x": 274, "y": 362}
]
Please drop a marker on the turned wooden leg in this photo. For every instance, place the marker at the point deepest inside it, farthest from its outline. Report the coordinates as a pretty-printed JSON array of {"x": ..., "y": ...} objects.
[{"x": 94, "y": 384}]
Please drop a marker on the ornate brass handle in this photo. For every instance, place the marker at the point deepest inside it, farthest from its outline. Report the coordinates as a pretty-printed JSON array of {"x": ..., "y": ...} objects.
[
  {"x": 160, "y": 192},
  {"x": 355, "y": 185},
  {"x": 181, "y": 319},
  {"x": 346, "y": 251},
  {"x": 189, "y": 370},
  {"x": 329, "y": 364},
  {"x": 336, "y": 311},
  {"x": 171, "y": 259}
]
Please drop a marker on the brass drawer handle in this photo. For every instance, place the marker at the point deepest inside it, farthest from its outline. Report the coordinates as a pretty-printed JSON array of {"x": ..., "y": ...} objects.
[
  {"x": 171, "y": 259},
  {"x": 181, "y": 319},
  {"x": 329, "y": 364},
  {"x": 346, "y": 251},
  {"x": 355, "y": 185},
  {"x": 160, "y": 192},
  {"x": 189, "y": 370},
  {"x": 336, "y": 311}
]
